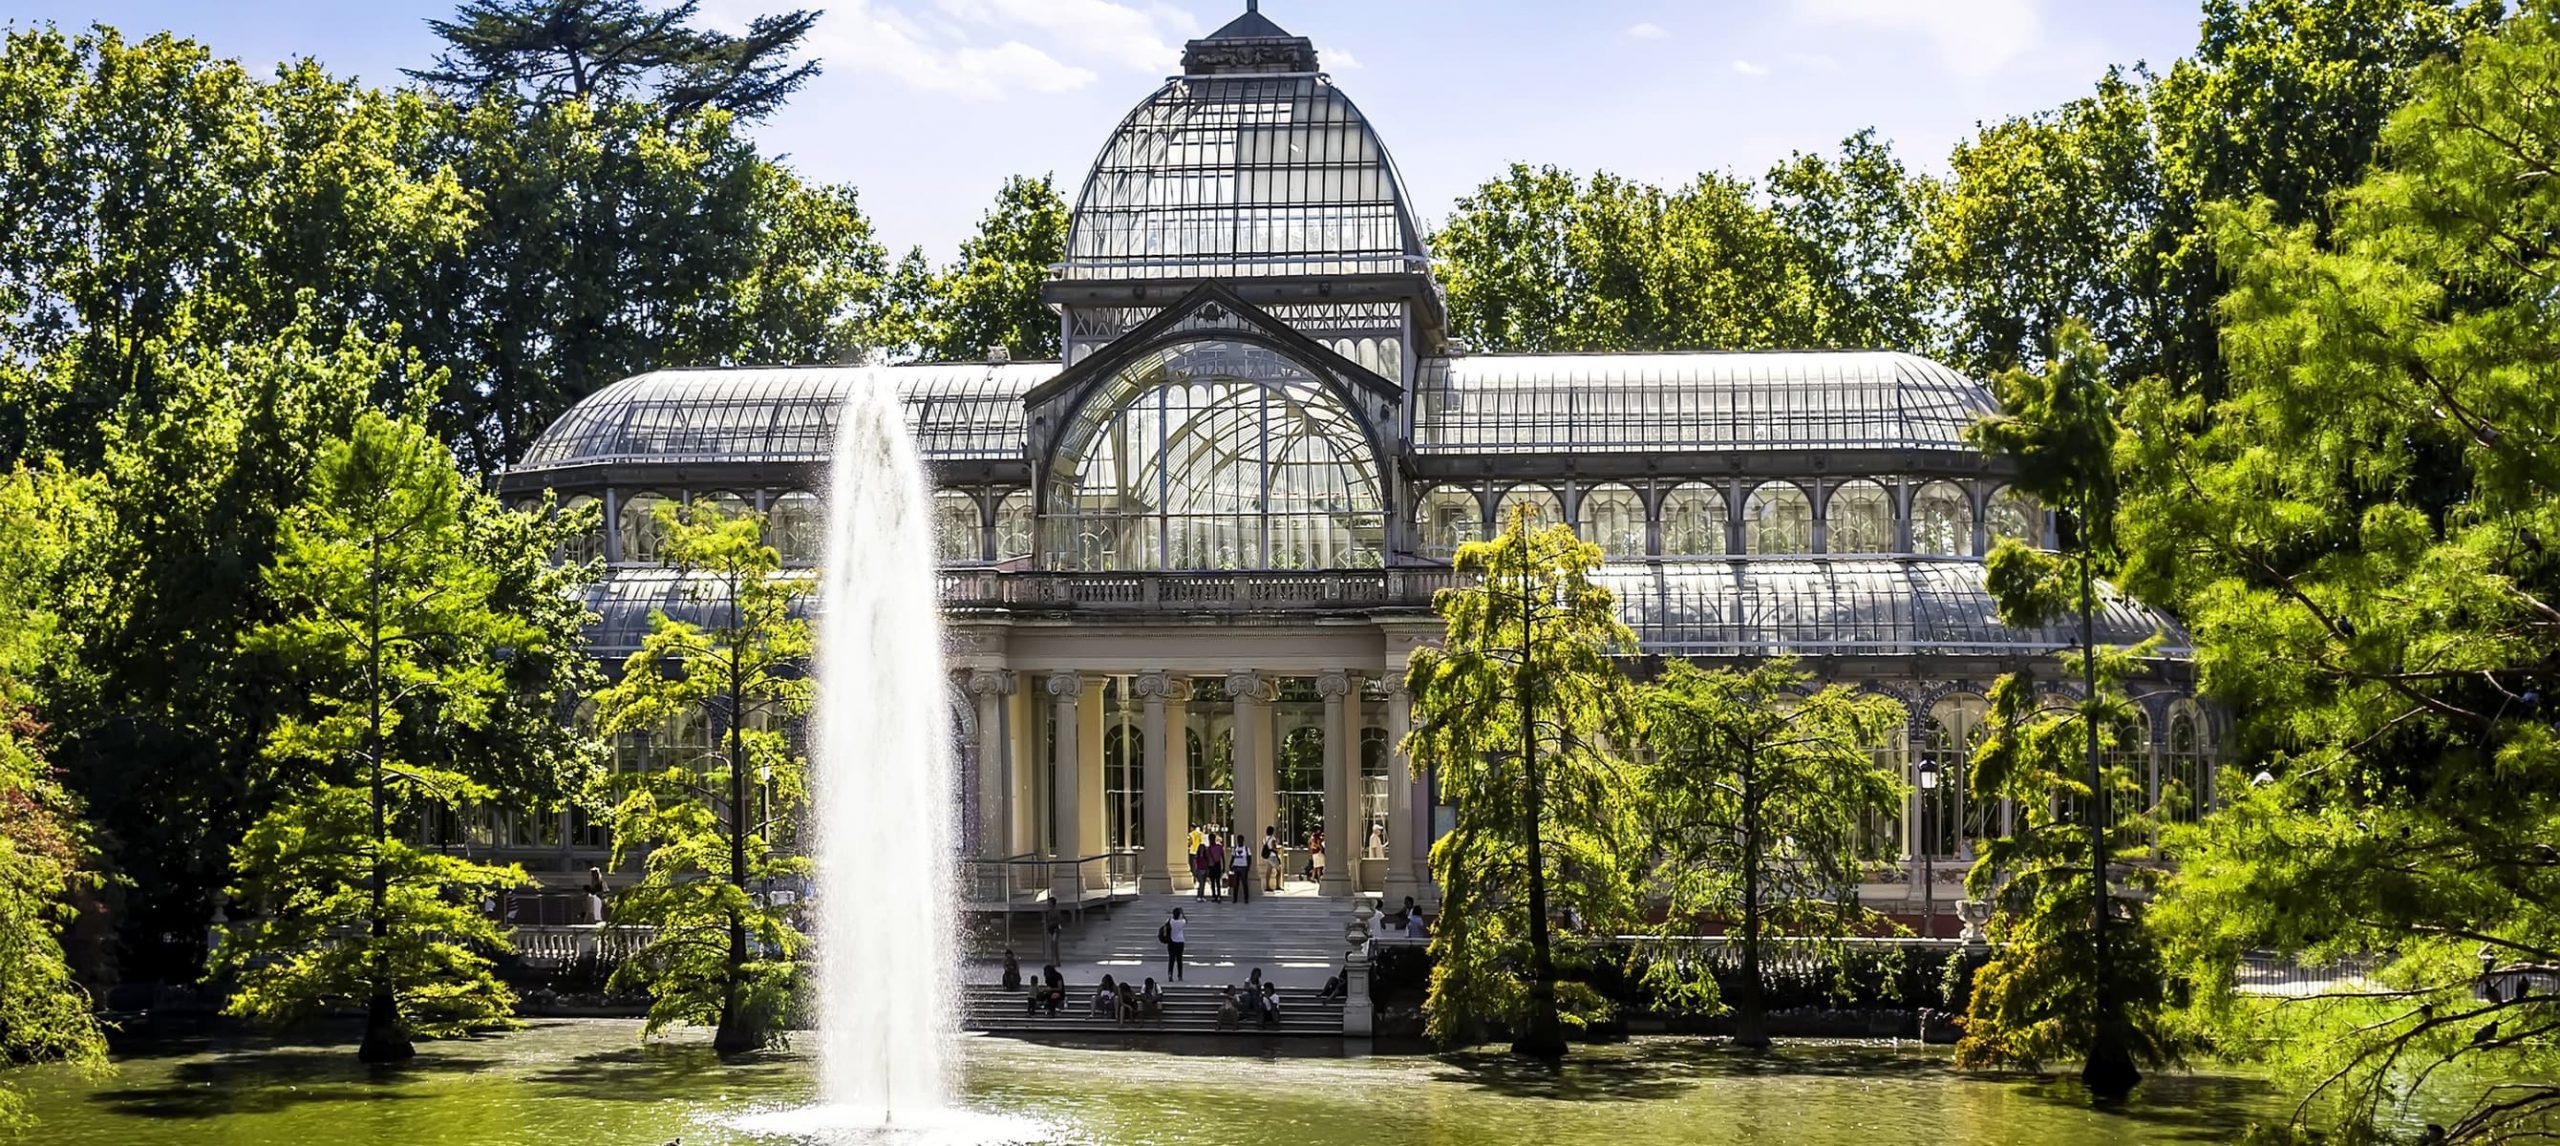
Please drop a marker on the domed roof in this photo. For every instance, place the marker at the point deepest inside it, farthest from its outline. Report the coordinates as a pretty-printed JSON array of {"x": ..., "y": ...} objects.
[{"x": 1252, "y": 165}]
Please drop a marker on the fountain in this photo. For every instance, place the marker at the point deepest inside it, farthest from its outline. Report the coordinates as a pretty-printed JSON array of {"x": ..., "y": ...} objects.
[{"x": 881, "y": 818}]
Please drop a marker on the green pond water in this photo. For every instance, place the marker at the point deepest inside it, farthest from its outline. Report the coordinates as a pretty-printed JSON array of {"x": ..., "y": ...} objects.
[{"x": 590, "y": 1083}]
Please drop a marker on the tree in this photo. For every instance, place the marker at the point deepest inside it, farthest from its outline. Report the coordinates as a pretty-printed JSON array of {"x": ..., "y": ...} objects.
[
  {"x": 552, "y": 51},
  {"x": 1520, "y": 714},
  {"x": 991, "y": 296},
  {"x": 2048, "y": 992},
  {"x": 1856, "y": 224},
  {"x": 2359, "y": 534},
  {"x": 46, "y": 862},
  {"x": 710, "y": 830},
  {"x": 392, "y": 631},
  {"x": 1757, "y": 799}
]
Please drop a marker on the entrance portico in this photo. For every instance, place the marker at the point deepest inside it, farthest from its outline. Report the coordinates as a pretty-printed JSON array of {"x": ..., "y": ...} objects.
[{"x": 1138, "y": 732}]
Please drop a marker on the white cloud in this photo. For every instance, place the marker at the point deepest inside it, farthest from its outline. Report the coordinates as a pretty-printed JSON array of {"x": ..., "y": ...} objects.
[
  {"x": 988, "y": 49},
  {"x": 1102, "y": 31},
  {"x": 1748, "y": 68},
  {"x": 1649, "y": 31},
  {"x": 1972, "y": 38},
  {"x": 1337, "y": 59}
]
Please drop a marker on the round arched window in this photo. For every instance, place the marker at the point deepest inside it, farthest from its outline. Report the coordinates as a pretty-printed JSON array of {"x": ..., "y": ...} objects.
[
  {"x": 2010, "y": 514},
  {"x": 643, "y": 535},
  {"x": 1693, "y": 522},
  {"x": 1859, "y": 519},
  {"x": 1214, "y": 455},
  {"x": 1446, "y": 518},
  {"x": 1544, "y": 507},
  {"x": 1941, "y": 520},
  {"x": 1778, "y": 520},
  {"x": 956, "y": 540},
  {"x": 1013, "y": 526},
  {"x": 1612, "y": 517}
]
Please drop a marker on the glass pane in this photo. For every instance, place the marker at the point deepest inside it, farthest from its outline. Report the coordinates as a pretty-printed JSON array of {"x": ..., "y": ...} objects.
[
  {"x": 1613, "y": 519},
  {"x": 1860, "y": 519},
  {"x": 2010, "y": 514},
  {"x": 955, "y": 527},
  {"x": 1777, "y": 520},
  {"x": 1447, "y": 518},
  {"x": 1941, "y": 520},
  {"x": 1544, "y": 507},
  {"x": 1693, "y": 522},
  {"x": 643, "y": 535}
]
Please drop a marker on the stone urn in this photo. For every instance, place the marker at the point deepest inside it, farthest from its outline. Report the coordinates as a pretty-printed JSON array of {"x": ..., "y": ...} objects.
[{"x": 1976, "y": 914}]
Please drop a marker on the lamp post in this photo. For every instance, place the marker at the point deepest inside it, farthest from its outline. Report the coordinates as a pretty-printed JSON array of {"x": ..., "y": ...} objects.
[{"x": 1928, "y": 839}]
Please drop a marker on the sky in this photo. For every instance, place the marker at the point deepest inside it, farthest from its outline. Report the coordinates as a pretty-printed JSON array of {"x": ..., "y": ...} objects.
[{"x": 927, "y": 105}]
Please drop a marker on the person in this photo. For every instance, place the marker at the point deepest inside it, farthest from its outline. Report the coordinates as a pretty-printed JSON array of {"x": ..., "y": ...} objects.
[
  {"x": 1173, "y": 929},
  {"x": 1271, "y": 1004},
  {"x": 1151, "y": 1003},
  {"x": 1128, "y": 1004},
  {"x": 595, "y": 895},
  {"x": 1412, "y": 919},
  {"x": 1253, "y": 995},
  {"x": 1106, "y": 999},
  {"x": 1217, "y": 869},
  {"x": 1054, "y": 925},
  {"x": 1012, "y": 971},
  {"x": 1271, "y": 873},
  {"x": 1241, "y": 857},
  {"x": 1199, "y": 866},
  {"x": 1333, "y": 987},
  {"x": 1053, "y": 988},
  {"x": 1230, "y": 1010},
  {"x": 1315, "y": 855},
  {"x": 1377, "y": 841}
]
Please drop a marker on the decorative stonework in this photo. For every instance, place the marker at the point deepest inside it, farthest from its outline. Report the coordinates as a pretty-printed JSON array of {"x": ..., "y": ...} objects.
[
  {"x": 1065, "y": 685},
  {"x": 991, "y": 682},
  {"x": 1161, "y": 685},
  {"x": 1333, "y": 685},
  {"x": 1251, "y": 686}
]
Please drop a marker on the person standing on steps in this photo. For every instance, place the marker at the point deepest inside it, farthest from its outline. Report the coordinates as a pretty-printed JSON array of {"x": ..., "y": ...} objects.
[
  {"x": 1171, "y": 933},
  {"x": 1242, "y": 873},
  {"x": 1271, "y": 873},
  {"x": 1054, "y": 925},
  {"x": 1217, "y": 869},
  {"x": 1315, "y": 856}
]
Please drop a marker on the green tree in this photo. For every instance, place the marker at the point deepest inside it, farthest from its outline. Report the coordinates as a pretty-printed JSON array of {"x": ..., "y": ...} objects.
[
  {"x": 711, "y": 831},
  {"x": 991, "y": 295},
  {"x": 1520, "y": 714},
  {"x": 1856, "y": 225},
  {"x": 2078, "y": 969},
  {"x": 554, "y": 50},
  {"x": 2359, "y": 534},
  {"x": 46, "y": 861},
  {"x": 1757, "y": 798},
  {"x": 391, "y": 629}
]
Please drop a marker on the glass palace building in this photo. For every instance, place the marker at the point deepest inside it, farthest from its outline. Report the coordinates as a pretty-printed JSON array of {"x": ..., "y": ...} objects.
[{"x": 1183, "y": 568}]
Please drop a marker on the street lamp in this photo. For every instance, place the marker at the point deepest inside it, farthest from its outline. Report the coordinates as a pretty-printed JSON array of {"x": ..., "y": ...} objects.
[{"x": 1928, "y": 839}]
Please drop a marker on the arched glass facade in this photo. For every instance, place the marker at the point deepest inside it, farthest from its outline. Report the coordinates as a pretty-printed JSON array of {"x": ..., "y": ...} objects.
[
  {"x": 1859, "y": 519},
  {"x": 1941, "y": 520},
  {"x": 1544, "y": 507},
  {"x": 957, "y": 536},
  {"x": 1446, "y": 518},
  {"x": 1777, "y": 520},
  {"x": 1215, "y": 455},
  {"x": 1693, "y": 521},
  {"x": 643, "y": 535},
  {"x": 1612, "y": 517}
]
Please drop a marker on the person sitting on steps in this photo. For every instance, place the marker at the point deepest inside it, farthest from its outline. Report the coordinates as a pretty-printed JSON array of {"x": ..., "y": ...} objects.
[
  {"x": 1230, "y": 1010},
  {"x": 1106, "y": 1000},
  {"x": 1012, "y": 971},
  {"x": 1128, "y": 1004},
  {"x": 1151, "y": 1003},
  {"x": 1270, "y": 1004}
]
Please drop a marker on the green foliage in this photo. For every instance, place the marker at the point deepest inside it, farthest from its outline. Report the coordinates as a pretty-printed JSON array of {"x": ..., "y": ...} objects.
[
  {"x": 395, "y": 637},
  {"x": 46, "y": 861},
  {"x": 991, "y": 295},
  {"x": 1468, "y": 728},
  {"x": 718, "y": 953},
  {"x": 1756, "y": 796},
  {"x": 551, "y": 51},
  {"x": 2359, "y": 534}
]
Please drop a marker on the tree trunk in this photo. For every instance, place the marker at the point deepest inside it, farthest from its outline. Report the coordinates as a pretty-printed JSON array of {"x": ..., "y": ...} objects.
[
  {"x": 385, "y": 1039},
  {"x": 1750, "y": 1012},
  {"x": 738, "y": 1033},
  {"x": 1541, "y": 1034},
  {"x": 2109, "y": 1072}
]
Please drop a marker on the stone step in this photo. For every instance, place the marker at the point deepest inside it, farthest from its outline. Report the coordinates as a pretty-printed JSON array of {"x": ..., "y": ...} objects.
[{"x": 1187, "y": 1010}]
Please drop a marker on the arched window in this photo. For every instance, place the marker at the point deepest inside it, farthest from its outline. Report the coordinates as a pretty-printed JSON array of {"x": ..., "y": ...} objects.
[
  {"x": 2188, "y": 786},
  {"x": 1213, "y": 778},
  {"x": 1858, "y": 519},
  {"x": 1373, "y": 783},
  {"x": 2010, "y": 514},
  {"x": 956, "y": 538},
  {"x": 1447, "y": 518},
  {"x": 1014, "y": 526},
  {"x": 1214, "y": 454},
  {"x": 1545, "y": 508},
  {"x": 1880, "y": 837},
  {"x": 1951, "y": 822},
  {"x": 1300, "y": 777},
  {"x": 1693, "y": 522},
  {"x": 1941, "y": 520},
  {"x": 730, "y": 505},
  {"x": 1777, "y": 520},
  {"x": 798, "y": 529},
  {"x": 644, "y": 537},
  {"x": 1124, "y": 770},
  {"x": 588, "y": 544},
  {"x": 1613, "y": 519}
]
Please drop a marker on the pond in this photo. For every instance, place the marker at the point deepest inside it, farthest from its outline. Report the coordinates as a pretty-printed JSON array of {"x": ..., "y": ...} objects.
[{"x": 590, "y": 1083}]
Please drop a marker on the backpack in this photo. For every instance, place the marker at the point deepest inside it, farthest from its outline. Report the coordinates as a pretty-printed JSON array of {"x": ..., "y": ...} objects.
[{"x": 1164, "y": 933}]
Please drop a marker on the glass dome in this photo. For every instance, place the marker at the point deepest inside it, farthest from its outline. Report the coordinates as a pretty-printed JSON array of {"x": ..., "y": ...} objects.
[
  {"x": 966, "y": 411},
  {"x": 1243, "y": 176}
]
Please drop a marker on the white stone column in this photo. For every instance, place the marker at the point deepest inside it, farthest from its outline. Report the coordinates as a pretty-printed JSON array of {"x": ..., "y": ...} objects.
[
  {"x": 1342, "y": 838},
  {"x": 1167, "y": 782},
  {"x": 1066, "y": 805},
  {"x": 1407, "y": 835},
  {"x": 989, "y": 687},
  {"x": 1254, "y": 793}
]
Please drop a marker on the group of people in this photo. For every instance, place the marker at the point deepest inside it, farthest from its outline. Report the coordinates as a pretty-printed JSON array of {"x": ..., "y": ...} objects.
[
  {"x": 1222, "y": 864},
  {"x": 1048, "y": 993},
  {"x": 1119, "y": 1002},
  {"x": 1257, "y": 1002}
]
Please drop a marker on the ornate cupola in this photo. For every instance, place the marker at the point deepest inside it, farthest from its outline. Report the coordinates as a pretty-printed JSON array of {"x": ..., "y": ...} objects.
[{"x": 1250, "y": 44}]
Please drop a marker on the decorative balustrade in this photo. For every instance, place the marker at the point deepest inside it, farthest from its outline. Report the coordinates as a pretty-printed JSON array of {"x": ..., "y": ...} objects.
[{"x": 1194, "y": 591}]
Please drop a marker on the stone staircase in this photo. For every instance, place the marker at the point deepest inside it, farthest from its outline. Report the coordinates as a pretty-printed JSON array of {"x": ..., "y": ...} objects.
[
  {"x": 1190, "y": 1010},
  {"x": 1295, "y": 940}
]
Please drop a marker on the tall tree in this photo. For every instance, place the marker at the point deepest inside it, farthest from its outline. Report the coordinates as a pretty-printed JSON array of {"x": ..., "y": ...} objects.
[
  {"x": 1856, "y": 224},
  {"x": 2360, "y": 534},
  {"x": 391, "y": 632},
  {"x": 991, "y": 296},
  {"x": 46, "y": 862},
  {"x": 1518, "y": 713},
  {"x": 710, "y": 831},
  {"x": 2049, "y": 990},
  {"x": 548, "y": 51},
  {"x": 1756, "y": 799}
]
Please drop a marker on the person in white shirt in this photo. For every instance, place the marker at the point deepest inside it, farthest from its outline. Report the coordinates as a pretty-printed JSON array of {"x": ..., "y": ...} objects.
[{"x": 1173, "y": 946}]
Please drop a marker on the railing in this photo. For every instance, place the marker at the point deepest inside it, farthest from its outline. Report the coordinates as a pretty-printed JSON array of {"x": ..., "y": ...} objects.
[
  {"x": 1202, "y": 591},
  {"x": 1031, "y": 883},
  {"x": 2268, "y": 973},
  {"x": 548, "y": 945}
]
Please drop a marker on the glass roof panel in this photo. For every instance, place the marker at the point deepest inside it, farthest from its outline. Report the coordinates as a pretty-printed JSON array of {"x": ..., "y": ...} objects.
[
  {"x": 1692, "y": 403},
  {"x": 1822, "y": 607},
  {"x": 1243, "y": 175},
  {"x": 965, "y": 411}
]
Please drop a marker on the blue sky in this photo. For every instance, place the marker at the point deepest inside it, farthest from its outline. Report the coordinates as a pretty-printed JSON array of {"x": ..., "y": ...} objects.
[{"x": 927, "y": 105}]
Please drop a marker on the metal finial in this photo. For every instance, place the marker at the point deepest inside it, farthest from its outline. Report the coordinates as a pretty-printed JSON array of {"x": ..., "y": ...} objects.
[{"x": 1252, "y": 6}]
